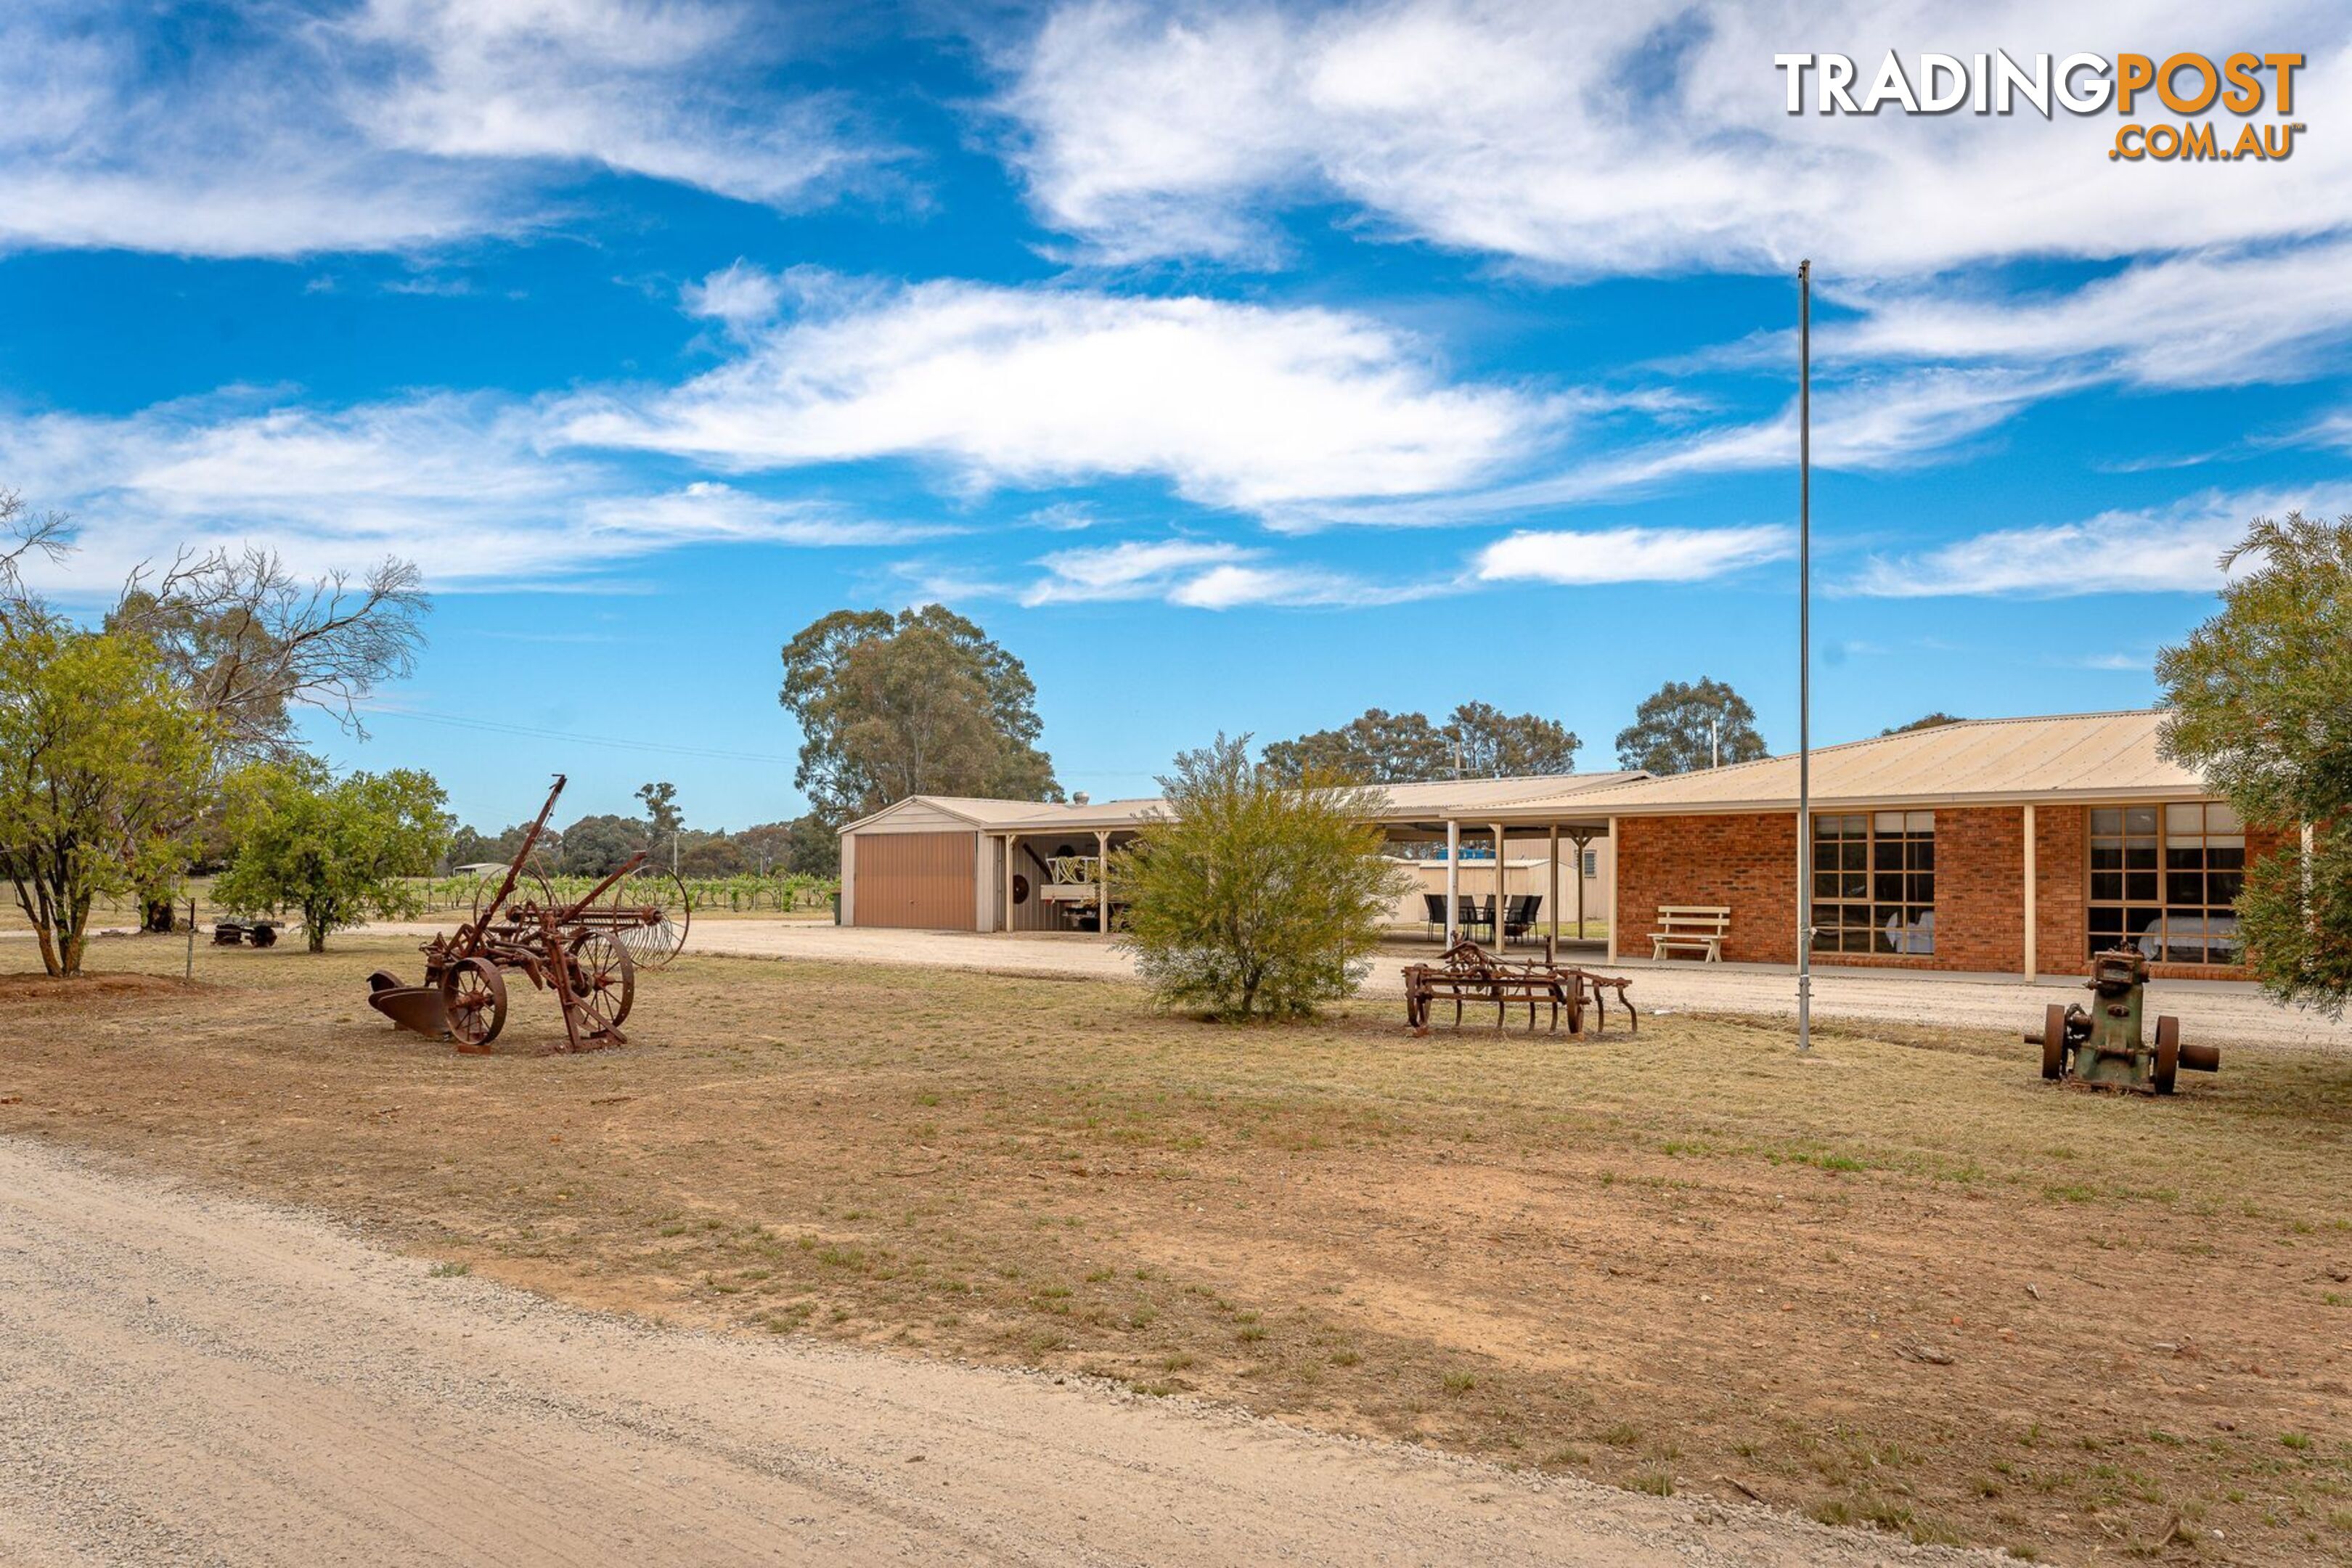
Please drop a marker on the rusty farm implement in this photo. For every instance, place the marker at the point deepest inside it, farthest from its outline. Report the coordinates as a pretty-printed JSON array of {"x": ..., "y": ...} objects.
[{"x": 587, "y": 950}]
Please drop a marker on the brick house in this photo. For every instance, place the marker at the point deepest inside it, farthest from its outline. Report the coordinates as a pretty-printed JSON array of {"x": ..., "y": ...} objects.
[
  {"x": 1991, "y": 846},
  {"x": 2000, "y": 846}
]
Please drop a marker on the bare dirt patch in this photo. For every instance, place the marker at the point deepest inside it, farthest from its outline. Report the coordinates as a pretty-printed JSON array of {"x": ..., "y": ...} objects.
[{"x": 1904, "y": 1284}]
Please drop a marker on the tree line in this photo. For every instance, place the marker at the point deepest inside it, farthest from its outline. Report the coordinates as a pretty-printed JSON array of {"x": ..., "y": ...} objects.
[{"x": 127, "y": 742}]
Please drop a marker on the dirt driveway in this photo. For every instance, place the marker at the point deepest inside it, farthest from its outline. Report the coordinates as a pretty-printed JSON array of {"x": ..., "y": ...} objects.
[{"x": 195, "y": 1379}]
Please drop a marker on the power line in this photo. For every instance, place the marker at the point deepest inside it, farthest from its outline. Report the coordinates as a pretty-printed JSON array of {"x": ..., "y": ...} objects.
[
  {"x": 499, "y": 727},
  {"x": 614, "y": 743}
]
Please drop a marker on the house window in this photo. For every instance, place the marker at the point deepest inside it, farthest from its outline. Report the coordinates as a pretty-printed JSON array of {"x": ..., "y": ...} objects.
[
  {"x": 1875, "y": 882},
  {"x": 1591, "y": 863},
  {"x": 2164, "y": 881}
]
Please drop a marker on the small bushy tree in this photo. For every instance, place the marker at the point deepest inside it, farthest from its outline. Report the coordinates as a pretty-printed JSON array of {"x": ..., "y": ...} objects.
[
  {"x": 1246, "y": 899},
  {"x": 2259, "y": 700},
  {"x": 104, "y": 763},
  {"x": 339, "y": 851}
]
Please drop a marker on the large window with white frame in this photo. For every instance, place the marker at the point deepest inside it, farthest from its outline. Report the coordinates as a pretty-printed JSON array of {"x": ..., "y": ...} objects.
[
  {"x": 2164, "y": 882},
  {"x": 1875, "y": 882}
]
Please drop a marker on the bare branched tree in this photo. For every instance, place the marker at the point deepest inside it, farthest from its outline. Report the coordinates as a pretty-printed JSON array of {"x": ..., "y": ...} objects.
[
  {"x": 249, "y": 640},
  {"x": 252, "y": 641},
  {"x": 24, "y": 535}
]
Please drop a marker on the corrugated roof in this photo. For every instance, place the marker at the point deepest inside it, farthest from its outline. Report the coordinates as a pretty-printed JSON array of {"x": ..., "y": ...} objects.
[
  {"x": 1430, "y": 801},
  {"x": 977, "y": 810},
  {"x": 2061, "y": 757}
]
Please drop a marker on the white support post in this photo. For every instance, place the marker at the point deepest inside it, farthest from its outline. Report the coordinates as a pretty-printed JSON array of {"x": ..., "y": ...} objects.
[
  {"x": 2032, "y": 894},
  {"x": 1502, "y": 885},
  {"x": 1453, "y": 883},
  {"x": 1102, "y": 881},
  {"x": 1551, "y": 895},
  {"x": 1616, "y": 905},
  {"x": 1006, "y": 925},
  {"x": 981, "y": 893}
]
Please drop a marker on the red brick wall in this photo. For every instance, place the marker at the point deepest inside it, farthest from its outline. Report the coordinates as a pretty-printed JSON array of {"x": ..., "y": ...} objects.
[
  {"x": 1748, "y": 862},
  {"x": 2063, "y": 887}
]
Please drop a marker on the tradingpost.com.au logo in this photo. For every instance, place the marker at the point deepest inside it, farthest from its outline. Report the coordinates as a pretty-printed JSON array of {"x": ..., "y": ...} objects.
[{"x": 2187, "y": 85}]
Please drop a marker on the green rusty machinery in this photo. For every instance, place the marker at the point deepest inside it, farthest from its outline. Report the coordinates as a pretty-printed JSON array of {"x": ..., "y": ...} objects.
[{"x": 2105, "y": 1045}]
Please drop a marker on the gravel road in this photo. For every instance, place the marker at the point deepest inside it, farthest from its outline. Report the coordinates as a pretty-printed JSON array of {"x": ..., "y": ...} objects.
[{"x": 192, "y": 1379}]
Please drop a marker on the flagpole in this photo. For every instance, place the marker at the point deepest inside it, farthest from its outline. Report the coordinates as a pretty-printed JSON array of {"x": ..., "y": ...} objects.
[{"x": 1804, "y": 655}]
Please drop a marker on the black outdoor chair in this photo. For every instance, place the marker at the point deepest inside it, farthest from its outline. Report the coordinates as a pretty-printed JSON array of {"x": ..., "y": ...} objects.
[
  {"x": 1521, "y": 918},
  {"x": 1434, "y": 903},
  {"x": 1476, "y": 916}
]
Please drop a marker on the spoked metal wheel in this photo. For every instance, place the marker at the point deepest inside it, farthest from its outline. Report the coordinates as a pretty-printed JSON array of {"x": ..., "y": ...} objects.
[
  {"x": 473, "y": 1002},
  {"x": 651, "y": 911},
  {"x": 604, "y": 977},
  {"x": 531, "y": 888}
]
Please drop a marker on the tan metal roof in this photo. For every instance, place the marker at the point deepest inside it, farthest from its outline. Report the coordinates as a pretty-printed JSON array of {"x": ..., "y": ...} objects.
[
  {"x": 1432, "y": 801},
  {"x": 2062, "y": 757}
]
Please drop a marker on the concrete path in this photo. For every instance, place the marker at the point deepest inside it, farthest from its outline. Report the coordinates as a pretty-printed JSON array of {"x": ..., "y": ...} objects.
[
  {"x": 2223, "y": 1013},
  {"x": 194, "y": 1379}
]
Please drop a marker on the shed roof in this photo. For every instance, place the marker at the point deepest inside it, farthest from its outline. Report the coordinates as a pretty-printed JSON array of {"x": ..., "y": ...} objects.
[
  {"x": 2065, "y": 757},
  {"x": 1431, "y": 802}
]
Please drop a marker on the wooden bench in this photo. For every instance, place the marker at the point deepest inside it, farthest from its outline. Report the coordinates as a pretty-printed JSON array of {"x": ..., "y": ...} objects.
[{"x": 1692, "y": 928}]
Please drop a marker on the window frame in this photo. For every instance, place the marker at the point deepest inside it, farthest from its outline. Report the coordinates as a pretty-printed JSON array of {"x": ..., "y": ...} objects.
[
  {"x": 1889, "y": 855},
  {"x": 2140, "y": 902}
]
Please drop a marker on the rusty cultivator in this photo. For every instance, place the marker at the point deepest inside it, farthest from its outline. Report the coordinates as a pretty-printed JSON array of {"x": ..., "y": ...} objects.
[{"x": 587, "y": 952}]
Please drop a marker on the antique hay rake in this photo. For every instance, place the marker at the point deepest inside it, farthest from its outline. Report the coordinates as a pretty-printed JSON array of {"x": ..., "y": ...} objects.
[{"x": 587, "y": 950}]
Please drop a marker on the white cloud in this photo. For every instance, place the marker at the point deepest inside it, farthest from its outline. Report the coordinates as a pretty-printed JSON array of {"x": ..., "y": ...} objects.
[
  {"x": 458, "y": 484},
  {"x": 1238, "y": 406},
  {"x": 1235, "y": 587},
  {"x": 397, "y": 125},
  {"x": 1131, "y": 570},
  {"x": 1633, "y": 138},
  {"x": 2174, "y": 549},
  {"x": 1205, "y": 575},
  {"x": 646, "y": 87},
  {"x": 1583, "y": 556},
  {"x": 1872, "y": 424},
  {"x": 2203, "y": 319},
  {"x": 740, "y": 295}
]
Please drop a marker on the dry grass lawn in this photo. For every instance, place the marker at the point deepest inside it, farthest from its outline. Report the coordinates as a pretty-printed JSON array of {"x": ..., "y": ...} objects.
[{"x": 1904, "y": 1284}]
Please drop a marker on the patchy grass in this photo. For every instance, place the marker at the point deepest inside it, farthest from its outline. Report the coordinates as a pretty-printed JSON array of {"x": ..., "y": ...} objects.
[{"x": 1881, "y": 1287}]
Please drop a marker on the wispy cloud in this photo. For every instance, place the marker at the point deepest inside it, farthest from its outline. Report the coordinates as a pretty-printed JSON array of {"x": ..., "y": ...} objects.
[
  {"x": 2174, "y": 549},
  {"x": 1610, "y": 140},
  {"x": 1630, "y": 554},
  {"x": 740, "y": 295},
  {"x": 391, "y": 125},
  {"x": 1130, "y": 569},
  {"x": 1869, "y": 424},
  {"x": 459, "y": 484},
  {"x": 1236, "y": 406},
  {"x": 2208, "y": 318}
]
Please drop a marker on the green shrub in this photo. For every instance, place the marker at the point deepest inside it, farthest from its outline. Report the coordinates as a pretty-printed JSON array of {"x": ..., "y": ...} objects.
[{"x": 1245, "y": 898}]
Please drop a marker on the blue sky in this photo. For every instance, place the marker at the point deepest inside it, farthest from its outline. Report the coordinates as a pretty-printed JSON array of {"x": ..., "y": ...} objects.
[{"x": 1237, "y": 367}]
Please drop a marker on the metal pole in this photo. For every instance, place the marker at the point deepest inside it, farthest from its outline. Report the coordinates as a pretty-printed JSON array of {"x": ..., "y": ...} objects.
[{"x": 1805, "y": 656}]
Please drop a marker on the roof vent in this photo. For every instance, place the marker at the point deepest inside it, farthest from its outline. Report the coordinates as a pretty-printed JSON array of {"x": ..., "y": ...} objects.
[{"x": 1080, "y": 798}]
